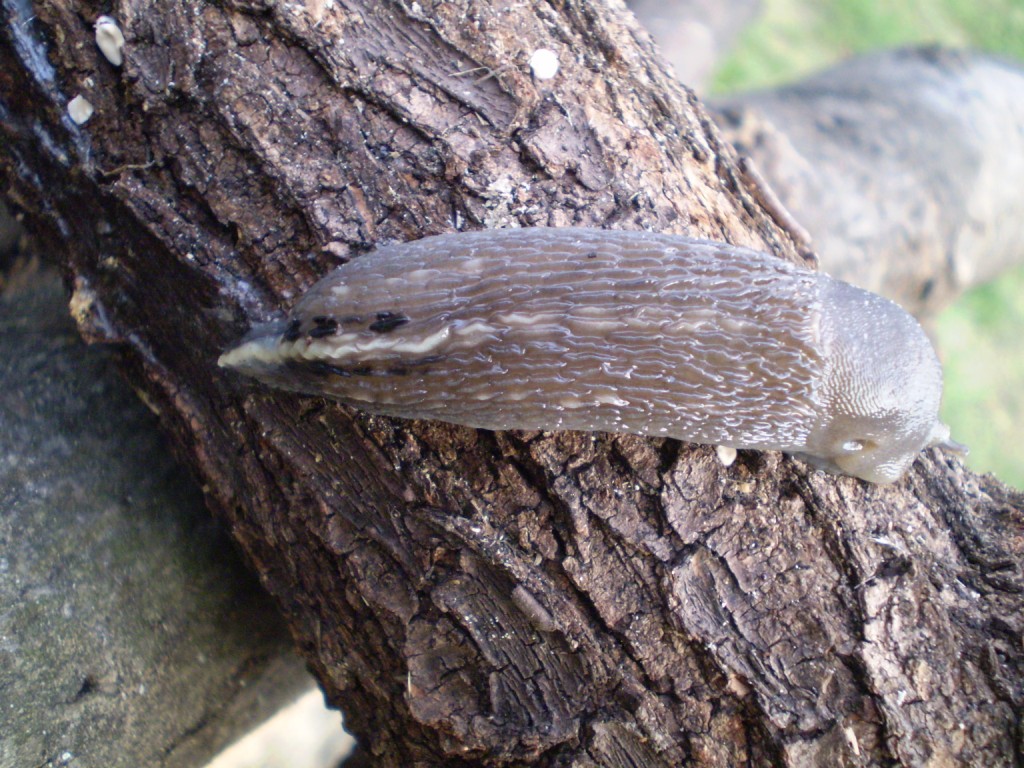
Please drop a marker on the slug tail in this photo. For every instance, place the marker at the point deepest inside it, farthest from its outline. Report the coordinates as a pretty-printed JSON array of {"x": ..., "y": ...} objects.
[{"x": 258, "y": 349}]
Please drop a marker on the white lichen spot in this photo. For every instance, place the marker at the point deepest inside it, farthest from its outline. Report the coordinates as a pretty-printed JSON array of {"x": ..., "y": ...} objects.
[
  {"x": 80, "y": 110},
  {"x": 110, "y": 40},
  {"x": 852, "y": 742},
  {"x": 544, "y": 64},
  {"x": 726, "y": 454}
]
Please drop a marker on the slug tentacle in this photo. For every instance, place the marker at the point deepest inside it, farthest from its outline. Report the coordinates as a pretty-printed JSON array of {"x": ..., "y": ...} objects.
[{"x": 615, "y": 331}]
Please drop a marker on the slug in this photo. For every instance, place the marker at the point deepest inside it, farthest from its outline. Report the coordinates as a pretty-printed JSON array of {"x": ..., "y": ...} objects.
[{"x": 616, "y": 331}]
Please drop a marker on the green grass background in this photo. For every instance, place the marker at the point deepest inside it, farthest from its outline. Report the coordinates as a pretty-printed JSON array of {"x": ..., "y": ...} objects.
[{"x": 980, "y": 338}]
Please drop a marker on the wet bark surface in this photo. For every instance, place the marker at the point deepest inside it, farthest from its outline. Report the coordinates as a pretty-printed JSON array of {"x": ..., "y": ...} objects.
[{"x": 469, "y": 597}]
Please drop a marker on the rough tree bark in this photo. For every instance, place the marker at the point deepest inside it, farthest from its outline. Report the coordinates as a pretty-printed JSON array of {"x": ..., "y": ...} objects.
[{"x": 469, "y": 597}]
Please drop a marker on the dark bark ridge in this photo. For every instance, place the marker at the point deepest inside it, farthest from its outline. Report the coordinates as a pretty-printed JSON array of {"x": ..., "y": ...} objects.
[{"x": 468, "y": 596}]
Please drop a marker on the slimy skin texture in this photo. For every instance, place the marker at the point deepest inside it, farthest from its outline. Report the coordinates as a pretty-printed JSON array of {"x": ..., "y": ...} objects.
[{"x": 638, "y": 332}]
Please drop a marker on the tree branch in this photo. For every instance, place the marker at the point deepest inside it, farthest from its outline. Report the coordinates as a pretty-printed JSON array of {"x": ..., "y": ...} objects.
[{"x": 468, "y": 596}]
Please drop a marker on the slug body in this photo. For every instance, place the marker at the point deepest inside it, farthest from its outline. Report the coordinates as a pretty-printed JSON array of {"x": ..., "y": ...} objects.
[{"x": 638, "y": 332}]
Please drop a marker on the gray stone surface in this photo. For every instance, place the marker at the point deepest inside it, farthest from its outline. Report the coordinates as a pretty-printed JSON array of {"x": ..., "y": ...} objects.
[{"x": 130, "y": 633}]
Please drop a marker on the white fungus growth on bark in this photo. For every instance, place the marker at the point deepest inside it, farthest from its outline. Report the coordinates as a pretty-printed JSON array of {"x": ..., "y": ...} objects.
[
  {"x": 726, "y": 454},
  {"x": 544, "y": 64},
  {"x": 110, "y": 40},
  {"x": 80, "y": 110}
]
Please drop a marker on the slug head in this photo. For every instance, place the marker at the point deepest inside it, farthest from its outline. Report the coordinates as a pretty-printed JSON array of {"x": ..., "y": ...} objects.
[{"x": 881, "y": 388}]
